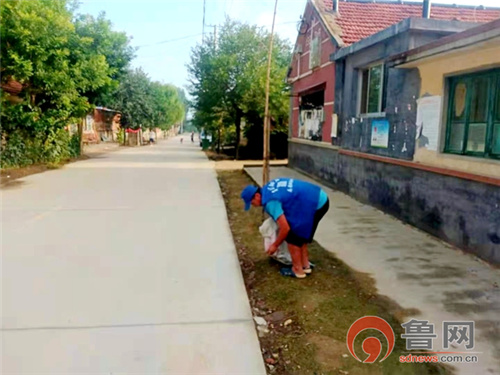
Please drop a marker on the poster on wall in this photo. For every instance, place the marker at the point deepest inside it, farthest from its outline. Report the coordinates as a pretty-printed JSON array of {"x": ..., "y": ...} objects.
[
  {"x": 335, "y": 122},
  {"x": 428, "y": 117},
  {"x": 380, "y": 133}
]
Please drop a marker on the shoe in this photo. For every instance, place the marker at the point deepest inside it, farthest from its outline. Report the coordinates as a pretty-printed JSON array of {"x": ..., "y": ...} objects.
[
  {"x": 289, "y": 272},
  {"x": 309, "y": 269}
]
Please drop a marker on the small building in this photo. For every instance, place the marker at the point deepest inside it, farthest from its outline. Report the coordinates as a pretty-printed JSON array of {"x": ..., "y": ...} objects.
[
  {"x": 102, "y": 125},
  {"x": 460, "y": 75},
  {"x": 372, "y": 95},
  {"x": 458, "y": 136},
  {"x": 328, "y": 26},
  {"x": 418, "y": 134}
]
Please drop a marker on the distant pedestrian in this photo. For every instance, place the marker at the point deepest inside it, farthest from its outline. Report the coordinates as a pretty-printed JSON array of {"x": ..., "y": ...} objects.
[
  {"x": 152, "y": 136},
  {"x": 182, "y": 140},
  {"x": 297, "y": 206},
  {"x": 192, "y": 137}
]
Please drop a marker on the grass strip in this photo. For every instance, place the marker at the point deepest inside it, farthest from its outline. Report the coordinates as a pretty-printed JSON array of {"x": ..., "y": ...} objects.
[{"x": 321, "y": 307}]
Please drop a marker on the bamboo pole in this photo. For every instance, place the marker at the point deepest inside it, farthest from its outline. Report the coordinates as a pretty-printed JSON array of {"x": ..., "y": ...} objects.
[{"x": 267, "y": 119}]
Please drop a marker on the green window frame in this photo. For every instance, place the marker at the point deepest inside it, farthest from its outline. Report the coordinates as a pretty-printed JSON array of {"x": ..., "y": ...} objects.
[
  {"x": 473, "y": 120},
  {"x": 371, "y": 89}
]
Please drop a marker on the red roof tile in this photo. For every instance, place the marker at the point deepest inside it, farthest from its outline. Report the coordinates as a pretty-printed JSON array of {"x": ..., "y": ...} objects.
[{"x": 359, "y": 20}]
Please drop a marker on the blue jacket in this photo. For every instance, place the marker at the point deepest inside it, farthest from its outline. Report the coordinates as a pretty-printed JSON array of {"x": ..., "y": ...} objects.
[{"x": 299, "y": 200}]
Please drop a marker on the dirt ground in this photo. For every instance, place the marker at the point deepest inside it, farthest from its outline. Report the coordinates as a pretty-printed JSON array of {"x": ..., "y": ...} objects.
[
  {"x": 214, "y": 156},
  {"x": 307, "y": 320}
]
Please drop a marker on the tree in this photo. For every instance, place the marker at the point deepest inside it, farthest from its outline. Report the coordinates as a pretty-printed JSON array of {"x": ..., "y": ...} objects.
[
  {"x": 66, "y": 64},
  {"x": 41, "y": 50},
  {"x": 147, "y": 104},
  {"x": 168, "y": 106},
  {"x": 133, "y": 99},
  {"x": 114, "y": 46},
  {"x": 227, "y": 79},
  {"x": 205, "y": 88},
  {"x": 56, "y": 66}
]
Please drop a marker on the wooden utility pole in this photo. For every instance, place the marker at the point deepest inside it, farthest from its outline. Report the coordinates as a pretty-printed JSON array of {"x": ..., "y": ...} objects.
[
  {"x": 267, "y": 117},
  {"x": 215, "y": 35},
  {"x": 203, "y": 27}
]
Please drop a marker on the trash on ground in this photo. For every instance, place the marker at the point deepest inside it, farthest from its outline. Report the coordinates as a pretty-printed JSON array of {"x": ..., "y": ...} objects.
[
  {"x": 260, "y": 321},
  {"x": 269, "y": 230}
]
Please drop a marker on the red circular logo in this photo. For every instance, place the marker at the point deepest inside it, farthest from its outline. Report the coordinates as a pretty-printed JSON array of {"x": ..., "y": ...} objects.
[{"x": 371, "y": 345}]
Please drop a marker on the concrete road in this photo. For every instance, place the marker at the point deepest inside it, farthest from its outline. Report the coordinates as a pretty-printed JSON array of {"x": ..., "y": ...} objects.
[
  {"x": 124, "y": 264},
  {"x": 415, "y": 270}
]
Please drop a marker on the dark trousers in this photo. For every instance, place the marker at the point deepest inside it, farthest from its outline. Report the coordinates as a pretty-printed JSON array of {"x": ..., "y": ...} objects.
[{"x": 293, "y": 239}]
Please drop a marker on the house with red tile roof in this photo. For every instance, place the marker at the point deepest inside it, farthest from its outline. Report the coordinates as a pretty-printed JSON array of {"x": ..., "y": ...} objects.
[
  {"x": 359, "y": 19},
  {"x": 414, "y": 125},
  {"x": 330, "y": 25}
]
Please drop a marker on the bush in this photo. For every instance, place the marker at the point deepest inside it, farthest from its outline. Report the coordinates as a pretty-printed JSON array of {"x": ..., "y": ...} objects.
[
  {"x": 74, "y": 146},
  {"x": 20, "y": 150},
  {"x": 120, "y": 137},
  {"x": 13, "y": 151}
]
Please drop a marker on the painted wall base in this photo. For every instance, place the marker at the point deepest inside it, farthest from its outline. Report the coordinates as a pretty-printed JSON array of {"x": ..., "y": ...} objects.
[{"x": 463, "y": 213}]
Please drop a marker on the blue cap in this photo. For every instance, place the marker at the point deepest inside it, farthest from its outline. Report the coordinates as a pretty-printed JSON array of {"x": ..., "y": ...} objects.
[{"x": 247, "y": 195}]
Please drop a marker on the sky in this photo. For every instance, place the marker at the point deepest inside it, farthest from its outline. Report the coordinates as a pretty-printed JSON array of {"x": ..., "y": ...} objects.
[{"x": 166, "y": 30}]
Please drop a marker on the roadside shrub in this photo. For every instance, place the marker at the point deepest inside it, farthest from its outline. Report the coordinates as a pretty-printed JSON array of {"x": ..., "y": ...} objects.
[
  {"x": 13, "y": 151},
  {"x": 20, "y": 150},
  {"x": 120, "y": 136},
  {"x": 74, "y": 146}
]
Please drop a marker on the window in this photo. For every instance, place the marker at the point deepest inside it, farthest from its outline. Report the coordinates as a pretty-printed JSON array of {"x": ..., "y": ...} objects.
[
  {"x": 315, "y": 53},
  {"x": 473, "y": 124},
  {"x": 372, "y": 80}
]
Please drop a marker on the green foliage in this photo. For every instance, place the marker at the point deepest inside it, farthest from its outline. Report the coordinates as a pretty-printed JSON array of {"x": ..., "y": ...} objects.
[
  {"x": 53, "y": 147},
  {"x": 113, "y": 45},
  {"x": 56, "y": 66},
  {"x": 169, "y": 107},
  {"x": 74, "y": 146},
  {"x": 64, "y": 65},
  {"x": 228, "y": 78},
  {"x": 120, "y": 137},
  {"x": 41, "y": 49},
  {"x": 14, "y": 152},
  {"x": 147, "y": 104},
  {"x": 67, "y": 63}
]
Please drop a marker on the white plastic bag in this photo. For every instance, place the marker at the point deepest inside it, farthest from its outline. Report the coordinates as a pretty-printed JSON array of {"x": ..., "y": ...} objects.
[{"x": 269, "y": 231}]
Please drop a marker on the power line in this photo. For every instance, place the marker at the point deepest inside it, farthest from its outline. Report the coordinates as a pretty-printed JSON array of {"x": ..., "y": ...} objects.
[
  {"x": 191, "y": 36},
  {"x": 170, "y": 40}
]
